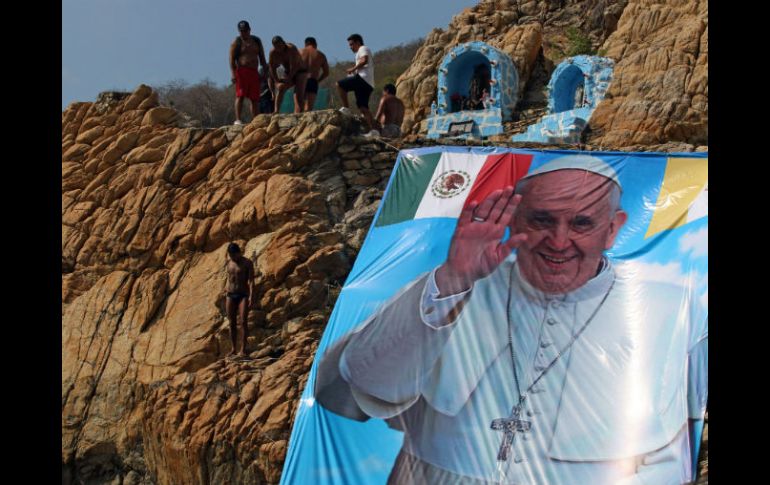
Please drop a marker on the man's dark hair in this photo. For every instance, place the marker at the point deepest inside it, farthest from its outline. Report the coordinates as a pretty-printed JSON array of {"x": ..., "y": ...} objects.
[
  {"x": 311, "y": 41},
  {"x": 356, "y": 38},
  {"x": 278, "y": 38},
  {"x": 233, "y": 248},
  {"x": 390, "y": 88},
  {"x": 243, "y": 25}
]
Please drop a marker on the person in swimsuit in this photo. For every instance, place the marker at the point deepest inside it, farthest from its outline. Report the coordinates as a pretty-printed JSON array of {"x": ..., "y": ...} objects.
[
  {"x": 287, "y": 55},
  {"x": 246, "y": 55},
  {"x": 390, "y": 113},
  {"x": 239, "y": 292},
  {"x": 317, "y": 64}
]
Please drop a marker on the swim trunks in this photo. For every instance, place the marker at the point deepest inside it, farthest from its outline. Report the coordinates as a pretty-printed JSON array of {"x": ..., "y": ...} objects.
[
  {"x": 311, "y": 86},
  {"x": 391, "y": 130},
  {"x": 247, "y": 83},
  {"x": 236, "y": 297},
  {"x": 266, "y": 103}
]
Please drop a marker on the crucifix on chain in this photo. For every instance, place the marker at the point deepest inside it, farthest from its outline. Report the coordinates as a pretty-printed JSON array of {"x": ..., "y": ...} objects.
[{"x": 509, "y": 427}]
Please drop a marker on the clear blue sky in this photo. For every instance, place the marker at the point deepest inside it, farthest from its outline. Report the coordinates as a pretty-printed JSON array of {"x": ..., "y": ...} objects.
[{"x": 119, "y": 44}]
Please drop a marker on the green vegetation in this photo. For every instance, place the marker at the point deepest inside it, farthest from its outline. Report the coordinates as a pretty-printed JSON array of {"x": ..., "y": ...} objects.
[
  {"x": 212, "y": 105},
  {"x": 579, "y": 43}
]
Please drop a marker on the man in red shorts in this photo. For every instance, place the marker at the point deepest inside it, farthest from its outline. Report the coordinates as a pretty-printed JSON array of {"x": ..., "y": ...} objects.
[{"x": 246, "y": 54}]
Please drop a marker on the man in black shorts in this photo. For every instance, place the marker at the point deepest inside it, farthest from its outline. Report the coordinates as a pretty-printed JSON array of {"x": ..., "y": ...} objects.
[
  {"x": 360, "y": 79},
  {"x": 266, "y": 101},
  {"x": 318, "y": 66},
  {"x": 239, "y": 292},
  {"x": 287, "y": 55}
]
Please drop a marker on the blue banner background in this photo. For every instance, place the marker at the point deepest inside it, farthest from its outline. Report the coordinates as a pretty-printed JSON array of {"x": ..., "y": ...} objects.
[{"x": 328, "y": 449}]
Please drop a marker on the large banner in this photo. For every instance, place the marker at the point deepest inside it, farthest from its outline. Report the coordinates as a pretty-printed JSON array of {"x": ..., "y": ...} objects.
[{"x": 518, "y": 317}]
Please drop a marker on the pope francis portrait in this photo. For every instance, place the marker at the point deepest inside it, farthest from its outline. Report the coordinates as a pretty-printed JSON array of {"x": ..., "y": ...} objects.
[{"x": 533, "y": 359}]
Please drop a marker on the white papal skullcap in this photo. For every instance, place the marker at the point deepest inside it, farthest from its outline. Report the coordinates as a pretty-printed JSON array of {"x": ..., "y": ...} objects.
[{"x": 577, "y": 162}]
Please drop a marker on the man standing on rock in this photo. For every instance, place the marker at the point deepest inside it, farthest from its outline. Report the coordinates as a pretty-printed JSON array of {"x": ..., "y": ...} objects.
[
  {"x": 288, "y": 56},
  {"x": 390, "y": 113},
  {"x": 316, "y": 62},
  {"x": 239, "y": 292},
  {"x": 246, "y": 54},
  {"x": 360, "y": 79}
]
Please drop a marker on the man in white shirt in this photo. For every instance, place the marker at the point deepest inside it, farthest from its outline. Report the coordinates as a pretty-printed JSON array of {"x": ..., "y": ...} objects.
[
  {"x": 360, "y": 79},
  {"x": 551, "y": 366}
]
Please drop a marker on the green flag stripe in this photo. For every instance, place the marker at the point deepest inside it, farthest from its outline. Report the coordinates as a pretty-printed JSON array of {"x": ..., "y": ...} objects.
[{"x": 411, "y": 181}]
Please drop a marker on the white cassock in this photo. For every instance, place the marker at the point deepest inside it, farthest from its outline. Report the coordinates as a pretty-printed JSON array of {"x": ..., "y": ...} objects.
[{"x": 613, "y": 409}]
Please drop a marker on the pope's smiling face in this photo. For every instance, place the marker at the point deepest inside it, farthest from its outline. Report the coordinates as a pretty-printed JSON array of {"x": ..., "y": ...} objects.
[{"x": 570, "y": 219}]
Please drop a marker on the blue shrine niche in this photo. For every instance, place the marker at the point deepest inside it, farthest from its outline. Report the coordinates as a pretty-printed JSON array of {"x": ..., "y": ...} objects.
[
  {"x": 576, "y": 87},
  {"x": 476, "y": 83}
]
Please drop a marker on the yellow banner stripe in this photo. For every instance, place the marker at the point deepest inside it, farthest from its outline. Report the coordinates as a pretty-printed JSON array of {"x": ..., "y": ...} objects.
[{"x": 683, "y": 181}]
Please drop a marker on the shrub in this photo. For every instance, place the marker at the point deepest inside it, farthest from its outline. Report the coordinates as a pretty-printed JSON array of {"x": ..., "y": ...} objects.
[
  {"x": 206, "y": 102},
  {"x": 579, "y": 43}
]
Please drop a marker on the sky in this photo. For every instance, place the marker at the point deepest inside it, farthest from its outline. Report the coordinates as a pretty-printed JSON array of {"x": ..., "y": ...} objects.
[{"x": 118, "y": 44}]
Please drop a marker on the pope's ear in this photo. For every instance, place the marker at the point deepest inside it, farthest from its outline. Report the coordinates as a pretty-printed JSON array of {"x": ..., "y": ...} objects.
[{"x": 616, "y": 223}]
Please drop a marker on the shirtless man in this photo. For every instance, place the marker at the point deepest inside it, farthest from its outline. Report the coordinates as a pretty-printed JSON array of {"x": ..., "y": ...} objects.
[
  {"x": 239, "y": 294},
  {"x": 316, "y": 61},
  {"x": 246, "y": 54},
  {"x": 288, "y": 56},
  {"x": 390, "y": 113}
]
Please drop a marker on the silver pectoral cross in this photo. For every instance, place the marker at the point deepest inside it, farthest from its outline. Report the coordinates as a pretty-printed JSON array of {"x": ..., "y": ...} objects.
[{"x": 509, "y": 427}]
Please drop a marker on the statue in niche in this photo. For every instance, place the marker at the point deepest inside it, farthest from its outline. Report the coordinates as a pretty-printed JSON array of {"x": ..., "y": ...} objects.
[
  {"x": 579, "y": 99},
  {"x": 458, "y": 102},
  {"x": 479, "y": 85}
]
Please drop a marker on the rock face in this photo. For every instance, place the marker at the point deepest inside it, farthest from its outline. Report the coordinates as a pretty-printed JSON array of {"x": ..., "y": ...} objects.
[
  {"x": 148, "y": 208},
  {"x": 659, "y": 92},
  {"x": 660, "y": 88}
]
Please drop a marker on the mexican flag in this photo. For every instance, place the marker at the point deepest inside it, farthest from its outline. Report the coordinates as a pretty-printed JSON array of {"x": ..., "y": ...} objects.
[{"x": 440, "y": 184}]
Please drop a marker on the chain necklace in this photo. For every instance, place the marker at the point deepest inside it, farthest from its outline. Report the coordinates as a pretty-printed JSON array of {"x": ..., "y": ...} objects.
[{"x": 513, "y": 423}]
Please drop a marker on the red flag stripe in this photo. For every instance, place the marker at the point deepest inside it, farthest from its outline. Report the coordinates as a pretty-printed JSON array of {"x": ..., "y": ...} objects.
[{"x": 498, "y": 172}]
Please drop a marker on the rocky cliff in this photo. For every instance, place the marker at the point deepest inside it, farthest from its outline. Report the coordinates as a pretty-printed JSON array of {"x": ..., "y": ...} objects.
[
  {"x": 659, "y": 92},
  {"x": 148, "y": 207},
  {"x": 149, "y": 203}
]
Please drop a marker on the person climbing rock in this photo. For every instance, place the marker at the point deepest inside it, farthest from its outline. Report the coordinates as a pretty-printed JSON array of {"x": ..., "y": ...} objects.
[
  {"x": 239, "y": 296},
  {"x": 318, "y": 67},
  {"x": 246, "y": 55}
]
